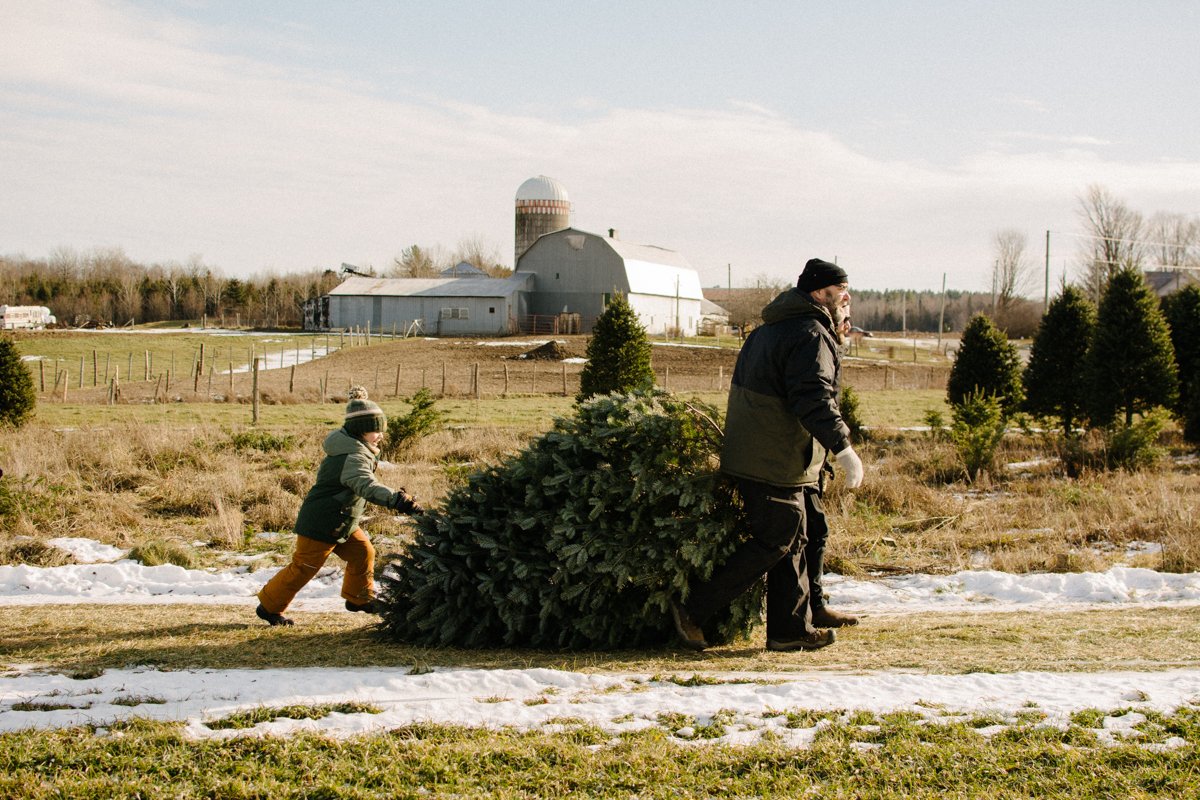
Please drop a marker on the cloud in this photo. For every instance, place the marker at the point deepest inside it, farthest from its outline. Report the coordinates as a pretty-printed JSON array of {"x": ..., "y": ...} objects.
[
  {"x": 122, "y": 128},
  {"x": 1020, "y": 101},
  {"x": 1071, "y": 141}
]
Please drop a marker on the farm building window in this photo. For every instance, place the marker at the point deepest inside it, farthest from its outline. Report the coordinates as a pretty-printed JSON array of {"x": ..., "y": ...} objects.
[
  {"x": 455, "y": 313},
  {"x": 491, "y": 309}
]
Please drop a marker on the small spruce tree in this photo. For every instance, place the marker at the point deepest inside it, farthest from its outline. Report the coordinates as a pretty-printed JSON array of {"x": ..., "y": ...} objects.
[
  {"x": 421, "y": 420},
  {"x": 977, "y": 432},
  {"x": 852, "y": 415},
  {"x": 1182, "y": 310},
  {"x": 1054, "y": 379},
  {"x": 618, "y": 354},
  {"x": 17, "y": 396},
  {"x": 1130, "y": 366},
  {"x": 987, "y": 363}
]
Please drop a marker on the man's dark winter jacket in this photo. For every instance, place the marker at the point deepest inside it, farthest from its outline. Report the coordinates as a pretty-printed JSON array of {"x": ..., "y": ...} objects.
[
  {"x": 783, "y": 411},
  {"x": 345, "y": 482}
]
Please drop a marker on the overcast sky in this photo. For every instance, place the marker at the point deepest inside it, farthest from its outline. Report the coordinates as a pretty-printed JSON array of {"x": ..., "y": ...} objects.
[{"x": 898, "y": 138}]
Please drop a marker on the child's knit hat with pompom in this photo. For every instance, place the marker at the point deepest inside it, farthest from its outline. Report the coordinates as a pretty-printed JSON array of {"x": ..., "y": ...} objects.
[{"x": 362, "y": 415}]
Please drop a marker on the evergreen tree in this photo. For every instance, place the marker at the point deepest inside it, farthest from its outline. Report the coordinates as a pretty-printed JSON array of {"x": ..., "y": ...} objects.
[
  {"x": 1054, "y": 379},
  {"x": 1130, "y": 365},
  {"x": 986, "y": 364},
  {"x": 17, "y": 396},
  {"x": 618, "y": 354},
  {"x": 1182, "y": 310},
  {"x": 578, "y": 541}
]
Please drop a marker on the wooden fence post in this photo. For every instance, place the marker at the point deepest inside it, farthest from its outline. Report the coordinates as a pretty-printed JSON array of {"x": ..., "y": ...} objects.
[{"x": 254, "y": 390}]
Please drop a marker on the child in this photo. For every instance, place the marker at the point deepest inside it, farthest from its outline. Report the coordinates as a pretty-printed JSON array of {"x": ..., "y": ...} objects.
[{"x": 329, "y": 517}]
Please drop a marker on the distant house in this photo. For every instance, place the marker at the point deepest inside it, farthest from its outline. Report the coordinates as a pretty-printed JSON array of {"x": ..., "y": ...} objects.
[
  {"x": 576, "y": 273},
  {"x": 1169, "y": 281},
  {"x": 432, "y": 306},
  {"x": 713, "y": 318}
]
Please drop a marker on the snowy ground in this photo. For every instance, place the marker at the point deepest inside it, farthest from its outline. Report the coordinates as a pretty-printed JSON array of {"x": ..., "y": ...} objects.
[{"x": 745, "y": 706}]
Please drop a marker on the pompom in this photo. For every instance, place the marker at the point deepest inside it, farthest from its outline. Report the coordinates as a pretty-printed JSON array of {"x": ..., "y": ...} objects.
[{"x": 358, "y": 393}]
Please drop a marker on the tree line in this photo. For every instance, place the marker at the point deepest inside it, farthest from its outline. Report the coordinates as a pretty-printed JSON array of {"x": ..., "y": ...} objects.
[{"x": 105, "y": 286}]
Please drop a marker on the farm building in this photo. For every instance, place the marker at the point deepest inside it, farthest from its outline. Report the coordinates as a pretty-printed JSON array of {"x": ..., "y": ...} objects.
[
  {"x": 433, "y": 306},
  {"x": 1168, "y": 281},
  {"x": 576, "y": 272},
  {"x": 563, "y": 280},
  {"x": 13, "y": 317}
]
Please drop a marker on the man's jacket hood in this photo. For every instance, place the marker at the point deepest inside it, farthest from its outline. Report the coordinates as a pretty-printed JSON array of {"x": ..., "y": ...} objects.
[{"x": 794, "y": 303}]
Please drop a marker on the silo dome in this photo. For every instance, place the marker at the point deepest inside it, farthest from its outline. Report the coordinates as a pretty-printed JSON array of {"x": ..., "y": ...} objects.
[
  {"x": 542, "y": 206},
  {"x": 542, "y": 188}
]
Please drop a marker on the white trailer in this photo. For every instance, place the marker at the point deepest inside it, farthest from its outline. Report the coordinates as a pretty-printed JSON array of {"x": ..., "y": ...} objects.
[{"x": 13, "y": 317}]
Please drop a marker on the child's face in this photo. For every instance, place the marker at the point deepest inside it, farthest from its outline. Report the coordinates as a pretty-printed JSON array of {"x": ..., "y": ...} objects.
[{"x": 373, "y": 438}]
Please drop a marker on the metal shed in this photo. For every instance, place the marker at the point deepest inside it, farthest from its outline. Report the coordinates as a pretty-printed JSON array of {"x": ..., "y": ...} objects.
[
  {"x": 434, "y": 306},
  {"x": 578, "y": 272}
]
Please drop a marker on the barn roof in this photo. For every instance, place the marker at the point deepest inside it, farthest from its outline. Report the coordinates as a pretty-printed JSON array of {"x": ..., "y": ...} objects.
[
  {"x": 649, "y": 268},
  {"x": 432, "y": 287}
]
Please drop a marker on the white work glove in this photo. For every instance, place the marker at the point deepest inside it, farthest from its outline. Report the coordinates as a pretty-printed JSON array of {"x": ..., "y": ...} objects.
[{"x": 852, "y": 465}]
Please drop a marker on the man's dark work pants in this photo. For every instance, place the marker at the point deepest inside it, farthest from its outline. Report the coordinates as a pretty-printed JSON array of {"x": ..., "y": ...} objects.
[{"x": 776, "y": 517}]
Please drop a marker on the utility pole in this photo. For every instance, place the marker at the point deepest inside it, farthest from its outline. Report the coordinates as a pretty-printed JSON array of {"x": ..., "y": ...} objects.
[
  {"x": 942, "y": 312},
  {"x": 995, "y": 268},
  {"x": 728, "y": 276},
  {"x": 679, "y": 330},
  {"x": 1046, "y": 300}
]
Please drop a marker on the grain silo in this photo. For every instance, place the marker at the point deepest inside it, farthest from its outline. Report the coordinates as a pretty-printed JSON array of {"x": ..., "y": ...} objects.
[{"x": 542, "y": 207}]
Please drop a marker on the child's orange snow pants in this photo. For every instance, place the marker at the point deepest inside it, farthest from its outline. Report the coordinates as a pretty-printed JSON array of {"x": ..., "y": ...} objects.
[{"x": 358, "y": 583}]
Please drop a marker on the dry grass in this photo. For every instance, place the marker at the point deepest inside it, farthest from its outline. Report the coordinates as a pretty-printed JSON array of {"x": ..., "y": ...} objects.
[
  {"x": 134, "y": 479},
  {"x": 96, "y": 637},
  {"x": 916, "y": 513}
]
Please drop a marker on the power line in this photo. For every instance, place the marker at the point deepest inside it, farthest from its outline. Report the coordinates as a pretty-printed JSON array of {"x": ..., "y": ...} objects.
[{"x": 1182, "y": 245}]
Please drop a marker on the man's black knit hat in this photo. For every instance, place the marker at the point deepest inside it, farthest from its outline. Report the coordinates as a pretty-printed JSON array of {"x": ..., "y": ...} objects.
[{"x": 818, "y": 274}]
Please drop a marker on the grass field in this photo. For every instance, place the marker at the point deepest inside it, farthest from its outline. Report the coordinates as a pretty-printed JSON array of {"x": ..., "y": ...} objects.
[{"x": 198, "y": 481}]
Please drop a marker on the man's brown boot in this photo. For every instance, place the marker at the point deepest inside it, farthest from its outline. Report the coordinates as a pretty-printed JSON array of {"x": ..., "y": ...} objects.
[
  {"x": 689, "y": 633},
  {"x": 823, "y": 617}
]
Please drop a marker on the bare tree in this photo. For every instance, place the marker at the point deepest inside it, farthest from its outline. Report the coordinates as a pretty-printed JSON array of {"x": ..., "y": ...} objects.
[
  {"x": 1012, "y": 270},
  {"x": 64, "y": 264},
  {"x": 480, "y": 254},
  {"x": 1175, "y": 240},
  {"x": 745, "y": 307},
  {"x": 416, "y": 262},
  {"x": 1115, "y": 232}
]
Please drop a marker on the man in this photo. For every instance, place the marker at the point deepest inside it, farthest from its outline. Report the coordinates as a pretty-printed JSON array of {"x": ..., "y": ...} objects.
[{"x": 781, "y": 420}]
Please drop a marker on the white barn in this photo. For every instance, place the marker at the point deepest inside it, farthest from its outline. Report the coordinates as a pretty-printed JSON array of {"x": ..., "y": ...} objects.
[
  {"x": 433, "y": 306},
  {"x": 576, "y": 272}
]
